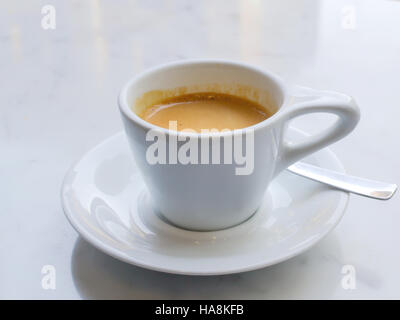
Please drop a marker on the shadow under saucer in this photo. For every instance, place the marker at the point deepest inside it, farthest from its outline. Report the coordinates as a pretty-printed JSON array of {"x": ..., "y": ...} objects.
[{"x": 99, "y": 276}]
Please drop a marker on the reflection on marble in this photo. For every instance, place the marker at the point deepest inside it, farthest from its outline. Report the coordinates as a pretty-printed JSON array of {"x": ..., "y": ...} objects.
[{"x": 58, "y": 99}]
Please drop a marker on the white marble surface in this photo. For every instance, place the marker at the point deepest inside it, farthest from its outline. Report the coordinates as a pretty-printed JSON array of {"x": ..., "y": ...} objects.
[{"x": 58, "y": 99}]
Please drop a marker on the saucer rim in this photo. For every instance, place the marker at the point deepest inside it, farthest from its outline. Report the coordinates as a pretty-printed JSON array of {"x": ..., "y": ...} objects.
[{"x": 338, "y": 214}]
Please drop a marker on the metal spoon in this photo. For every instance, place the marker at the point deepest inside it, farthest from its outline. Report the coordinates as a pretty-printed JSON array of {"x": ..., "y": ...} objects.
[{"x": 364, "y": 187}]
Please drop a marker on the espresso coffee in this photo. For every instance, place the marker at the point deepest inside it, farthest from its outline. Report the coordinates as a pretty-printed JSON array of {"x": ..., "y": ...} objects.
[{"x": 206, "y": 110}]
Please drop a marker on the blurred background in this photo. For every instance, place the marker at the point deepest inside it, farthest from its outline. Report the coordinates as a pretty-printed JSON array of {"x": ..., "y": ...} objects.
[{"x": 58, "y": 96}]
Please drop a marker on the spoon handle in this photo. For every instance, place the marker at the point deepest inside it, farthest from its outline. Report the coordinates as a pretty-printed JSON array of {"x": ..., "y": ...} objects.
[{"x": 364, "y": 187}]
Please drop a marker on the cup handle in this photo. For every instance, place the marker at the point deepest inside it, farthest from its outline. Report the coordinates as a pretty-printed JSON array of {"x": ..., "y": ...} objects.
[{"x": 305, "y": 101}]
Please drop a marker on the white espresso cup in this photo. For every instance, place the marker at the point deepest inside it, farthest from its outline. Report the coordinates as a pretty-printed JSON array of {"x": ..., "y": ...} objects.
[{"x": 214, "y": 196}]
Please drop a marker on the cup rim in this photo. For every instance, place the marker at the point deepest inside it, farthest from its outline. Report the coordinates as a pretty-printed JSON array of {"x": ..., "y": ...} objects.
[{"x": 126, "y": 110}]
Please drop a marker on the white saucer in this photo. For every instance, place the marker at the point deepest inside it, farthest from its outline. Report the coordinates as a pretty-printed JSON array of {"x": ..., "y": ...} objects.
[{"x": 105, "y": 200}]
